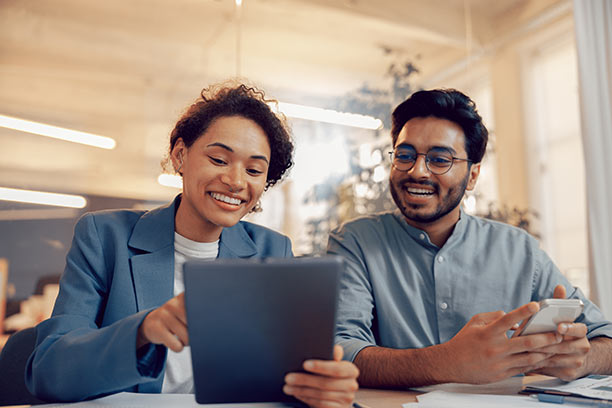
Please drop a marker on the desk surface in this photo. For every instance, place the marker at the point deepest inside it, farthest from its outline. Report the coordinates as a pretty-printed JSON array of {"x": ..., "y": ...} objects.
[
  {"x": 373, "y": 398},
  {"x": 370, "y": 398}
]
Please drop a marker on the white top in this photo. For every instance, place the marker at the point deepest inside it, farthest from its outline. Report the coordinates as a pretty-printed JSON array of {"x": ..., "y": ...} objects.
[{"x": 178, "y": 377}]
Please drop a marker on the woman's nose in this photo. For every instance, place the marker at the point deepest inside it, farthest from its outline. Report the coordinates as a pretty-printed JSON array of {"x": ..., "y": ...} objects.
[{"x": 234, "y": 178}]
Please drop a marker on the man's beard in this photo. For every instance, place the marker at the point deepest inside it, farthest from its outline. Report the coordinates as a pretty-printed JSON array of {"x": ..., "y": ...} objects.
[{"x": 448, "y": 203}]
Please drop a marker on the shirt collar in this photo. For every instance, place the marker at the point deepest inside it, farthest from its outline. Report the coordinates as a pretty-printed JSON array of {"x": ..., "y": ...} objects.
[{"x": 422, "y": 237}]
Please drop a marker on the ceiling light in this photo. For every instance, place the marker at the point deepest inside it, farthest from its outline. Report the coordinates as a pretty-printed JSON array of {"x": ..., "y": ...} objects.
[
  {"x": 40, "y": 197},
  {"x": 327, "y": 115},
  {"x": 57, "y": 132},
  {"x": 170, "y": 180}
]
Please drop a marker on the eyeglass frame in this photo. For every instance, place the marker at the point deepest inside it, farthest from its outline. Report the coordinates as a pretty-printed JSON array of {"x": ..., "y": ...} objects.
[{"x": 392, "y": 153}]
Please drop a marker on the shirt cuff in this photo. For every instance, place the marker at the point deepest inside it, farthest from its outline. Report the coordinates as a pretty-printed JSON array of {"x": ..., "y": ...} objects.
[
  {"x": 602, "y": 331},
  {"x": 352, "y": 347}
]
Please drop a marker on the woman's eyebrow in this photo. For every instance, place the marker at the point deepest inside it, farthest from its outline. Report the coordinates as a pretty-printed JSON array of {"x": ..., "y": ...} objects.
[
  {"x": 221, "y": 145},
  {"x": 259, "y": 157},
  {"x": 226, "y": 147}
]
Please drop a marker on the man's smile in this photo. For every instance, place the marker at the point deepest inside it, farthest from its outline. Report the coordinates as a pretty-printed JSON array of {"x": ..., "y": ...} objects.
[
  {"x": 419, "y": 192},
  {"x": 422, "y": 189}
]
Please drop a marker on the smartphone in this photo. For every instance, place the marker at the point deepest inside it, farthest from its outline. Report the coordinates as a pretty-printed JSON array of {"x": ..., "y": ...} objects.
[{"x": 551, "y": 313}]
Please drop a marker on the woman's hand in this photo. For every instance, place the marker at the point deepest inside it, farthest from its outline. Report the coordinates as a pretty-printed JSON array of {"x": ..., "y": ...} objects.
[
  {"x": 327, "y": 383},
  {"x": 166, "y": 325}
]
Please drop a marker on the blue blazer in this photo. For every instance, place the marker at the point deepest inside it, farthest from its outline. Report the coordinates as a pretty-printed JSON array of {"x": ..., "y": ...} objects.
[{"x": 119, "y": 268}]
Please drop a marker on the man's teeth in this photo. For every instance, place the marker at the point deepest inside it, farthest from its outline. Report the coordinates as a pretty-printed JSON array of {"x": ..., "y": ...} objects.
[
  {"x": 419, "y": 191},
  {"x": 225, "y": 198}
]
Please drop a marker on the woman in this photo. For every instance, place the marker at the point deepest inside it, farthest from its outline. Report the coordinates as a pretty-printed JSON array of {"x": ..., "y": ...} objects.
[{"x": 120, "y": 306}]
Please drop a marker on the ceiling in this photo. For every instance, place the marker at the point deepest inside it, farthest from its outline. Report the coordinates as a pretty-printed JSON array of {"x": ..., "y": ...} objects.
[{"x": 127, "y": 68}]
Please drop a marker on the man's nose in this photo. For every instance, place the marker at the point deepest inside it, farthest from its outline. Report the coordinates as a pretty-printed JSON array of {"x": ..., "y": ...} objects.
[{"x": 420, "y": 168}]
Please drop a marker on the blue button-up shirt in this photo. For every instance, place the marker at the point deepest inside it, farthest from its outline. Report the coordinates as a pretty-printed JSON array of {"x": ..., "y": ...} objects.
[{"x": 402, "y": 291}]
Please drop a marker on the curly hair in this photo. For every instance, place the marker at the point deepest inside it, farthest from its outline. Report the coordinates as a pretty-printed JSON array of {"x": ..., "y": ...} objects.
[
  {"x": 231, "y": 99},
  {"x": 448, "y": 104}
]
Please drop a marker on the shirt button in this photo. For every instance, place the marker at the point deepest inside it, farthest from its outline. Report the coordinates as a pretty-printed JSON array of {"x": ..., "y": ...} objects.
[
  {"x": 422, "y": 236},
  {"x": 443, "y": 306},
  {"x": 440, "y": 259}
]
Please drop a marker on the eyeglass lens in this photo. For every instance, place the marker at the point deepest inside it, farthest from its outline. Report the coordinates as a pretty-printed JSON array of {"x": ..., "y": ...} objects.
[{"x": 438, "y": 161}]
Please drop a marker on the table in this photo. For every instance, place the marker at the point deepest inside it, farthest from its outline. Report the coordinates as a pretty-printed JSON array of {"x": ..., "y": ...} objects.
[
  {"x": 374, "y": 398},
  {"x": 367, "y": 397}
]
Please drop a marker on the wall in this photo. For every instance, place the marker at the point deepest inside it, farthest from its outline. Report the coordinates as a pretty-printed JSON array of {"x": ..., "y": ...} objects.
[{"x": 37, "y": 247}]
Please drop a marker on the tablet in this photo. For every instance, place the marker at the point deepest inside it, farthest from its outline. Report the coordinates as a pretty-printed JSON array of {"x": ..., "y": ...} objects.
[{"x": 251, "y": 322}]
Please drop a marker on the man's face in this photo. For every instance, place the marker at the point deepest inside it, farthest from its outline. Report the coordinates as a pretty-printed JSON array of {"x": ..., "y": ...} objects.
[{"x": 422, "y": 196}]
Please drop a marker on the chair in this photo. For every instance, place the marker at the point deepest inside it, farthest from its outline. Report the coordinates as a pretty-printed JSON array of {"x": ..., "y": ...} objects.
[
  {"x": 45, "y": 280},
  {"x": 13, "y": 359}
]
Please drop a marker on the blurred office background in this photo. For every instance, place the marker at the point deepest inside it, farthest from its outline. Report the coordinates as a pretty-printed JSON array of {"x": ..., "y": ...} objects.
[{"x": 126, "y": 69}]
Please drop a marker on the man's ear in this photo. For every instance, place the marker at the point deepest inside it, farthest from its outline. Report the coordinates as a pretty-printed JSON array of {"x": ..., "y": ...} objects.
[
  {"x": 178, "y": 155},
  {"x": 474, "y": 172}
]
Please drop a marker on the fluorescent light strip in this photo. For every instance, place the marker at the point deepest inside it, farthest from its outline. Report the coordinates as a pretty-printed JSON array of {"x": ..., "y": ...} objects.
[
  {"x": 327, "y": 115},
  {"x": 40, "y": 197},
  {"x": 170, "y": 180},
  {"x": 55, "y": 132},
  {"x": 42, "y": 214}
]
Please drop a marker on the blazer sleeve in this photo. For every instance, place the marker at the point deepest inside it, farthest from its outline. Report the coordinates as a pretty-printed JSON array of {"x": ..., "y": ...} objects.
[
  {"x": 75, "y": 357},
  {"x": 288, "y": 253}
]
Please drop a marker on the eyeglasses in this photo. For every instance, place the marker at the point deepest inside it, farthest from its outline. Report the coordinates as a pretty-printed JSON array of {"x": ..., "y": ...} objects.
[{"x": 437, "y": 160}]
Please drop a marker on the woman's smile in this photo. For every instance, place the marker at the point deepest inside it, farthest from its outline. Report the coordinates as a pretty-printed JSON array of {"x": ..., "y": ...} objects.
[{"x": 231, "y": 201}]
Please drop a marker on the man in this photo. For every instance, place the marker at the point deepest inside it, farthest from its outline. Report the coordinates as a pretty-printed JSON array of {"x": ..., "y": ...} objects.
[{"x": 427, "y": 286}]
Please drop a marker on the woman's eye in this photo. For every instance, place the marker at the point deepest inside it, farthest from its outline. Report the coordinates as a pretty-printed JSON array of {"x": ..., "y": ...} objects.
[
  {"x": 216, "y": 160},
  {"x": 254, "y": 172}
]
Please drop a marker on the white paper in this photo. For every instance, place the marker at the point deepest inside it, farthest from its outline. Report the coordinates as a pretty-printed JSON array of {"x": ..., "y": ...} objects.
[
  {"x": 445, "y": 399},
  {"x": 594, "y": 386},
  {"x": 509, "y": 386},
  {"x": 135, "y": 400}
]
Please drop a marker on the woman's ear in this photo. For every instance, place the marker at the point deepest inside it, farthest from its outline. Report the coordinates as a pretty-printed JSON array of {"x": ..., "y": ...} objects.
[{"x": 178, "y": 155}]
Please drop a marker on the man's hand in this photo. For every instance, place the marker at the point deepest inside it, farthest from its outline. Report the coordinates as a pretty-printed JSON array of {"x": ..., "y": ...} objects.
[
  {"x": 482, "y": 352},
  {"x": 331, "y": 384},
  {"x": 568, "y": 359},
  {"x": 166, "y": 325}
]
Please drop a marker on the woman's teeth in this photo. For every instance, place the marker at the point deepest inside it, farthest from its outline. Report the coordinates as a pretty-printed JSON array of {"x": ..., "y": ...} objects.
[{"x": 225, "y": 199}]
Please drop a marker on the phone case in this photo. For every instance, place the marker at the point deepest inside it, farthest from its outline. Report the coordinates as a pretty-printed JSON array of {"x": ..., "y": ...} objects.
[{"x": 551, "y": 313}]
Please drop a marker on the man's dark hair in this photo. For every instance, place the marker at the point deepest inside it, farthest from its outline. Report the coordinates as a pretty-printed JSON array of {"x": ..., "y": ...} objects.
[
  {"x": 448, "y": 104},
  {"x": 228, "y": 99}
]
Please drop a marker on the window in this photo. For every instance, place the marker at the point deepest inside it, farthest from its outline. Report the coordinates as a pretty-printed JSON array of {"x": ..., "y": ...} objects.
[{"x": 556, "y": 161}]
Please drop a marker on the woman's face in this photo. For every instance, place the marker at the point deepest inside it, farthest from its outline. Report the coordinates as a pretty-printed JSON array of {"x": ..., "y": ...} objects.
[{"x": 224, "y": 175}]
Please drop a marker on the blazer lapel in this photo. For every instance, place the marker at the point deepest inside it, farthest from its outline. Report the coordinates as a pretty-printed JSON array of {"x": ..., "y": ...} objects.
[
  {"x": 153, "y": 276},
  {"x": 153, "y": 265},
  {"x": 235, "y": 242}
]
